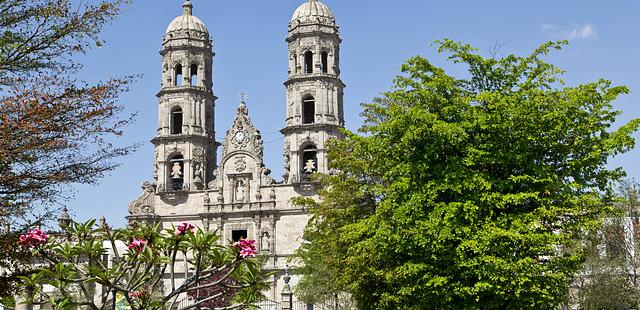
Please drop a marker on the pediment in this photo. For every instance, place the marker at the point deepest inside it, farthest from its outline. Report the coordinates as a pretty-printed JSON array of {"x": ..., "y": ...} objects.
[{"x": 243, "y": 137}]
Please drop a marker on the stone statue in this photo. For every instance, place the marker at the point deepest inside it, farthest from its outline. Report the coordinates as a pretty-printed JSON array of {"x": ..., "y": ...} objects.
[
  {"x": 240, "y": 192},
  {"x": 176, "y": 171},
  {"x": 265, "y": 244},
  {"x": 198, "y": 174},
  {"x": 214, "y": 179},
  {"x": 266, "y": 178},
  {"x": 272, "y": 193},
  {"x": 220, "y": 196}
]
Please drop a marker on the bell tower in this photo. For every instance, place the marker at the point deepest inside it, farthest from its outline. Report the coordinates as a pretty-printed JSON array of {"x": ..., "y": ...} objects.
[
  {"x": 185, "y": 147},
  {"x": 314, "y": 113}
]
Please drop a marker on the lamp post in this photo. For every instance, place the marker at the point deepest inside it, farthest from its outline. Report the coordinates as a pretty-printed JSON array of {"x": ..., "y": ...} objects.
[{"x": 64, "y": 221}]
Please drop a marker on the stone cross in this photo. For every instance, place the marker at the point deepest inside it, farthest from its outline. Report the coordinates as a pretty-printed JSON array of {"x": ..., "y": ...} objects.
[{"x": 244, "y": 96}]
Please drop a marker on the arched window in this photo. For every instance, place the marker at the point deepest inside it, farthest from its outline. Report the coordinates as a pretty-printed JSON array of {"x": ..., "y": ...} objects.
[
  {"x": 178, "y": 76},
  {"x": 308, "y": 62},
  {"x": 176, "y": 121},
  {"x": 176, "y": 173},
  {"x": 309, "y": 160},
  {"x": 308, "y": 110},
  {"x": 194, "y": 75},
  {"x": 325, "y": 62}
]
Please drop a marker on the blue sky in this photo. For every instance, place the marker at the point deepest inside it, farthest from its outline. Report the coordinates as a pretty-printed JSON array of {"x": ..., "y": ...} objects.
[{"x": 377, "y": 37}]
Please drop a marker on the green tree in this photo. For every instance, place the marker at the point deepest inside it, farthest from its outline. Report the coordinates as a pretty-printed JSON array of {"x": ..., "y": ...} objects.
[
  {"x": 467, "y": 192},
  {"x": 55, "y": 130},
  {"x": 135, "y": 263}
]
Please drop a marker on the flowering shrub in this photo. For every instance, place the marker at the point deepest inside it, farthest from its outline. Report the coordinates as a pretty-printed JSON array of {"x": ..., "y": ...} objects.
[
  {"x": 144, "y": 272},
  {"x": 184, "y": 228},
  {"x": 136, "y": 294},
  {"x": 247, "y": 248},
  {"x": 137, "y": 245},
  {"x": 34, "y": 238}
]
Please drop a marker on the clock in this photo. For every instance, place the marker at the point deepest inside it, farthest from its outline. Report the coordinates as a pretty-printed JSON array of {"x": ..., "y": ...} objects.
[{"x": 239, "y": 137}]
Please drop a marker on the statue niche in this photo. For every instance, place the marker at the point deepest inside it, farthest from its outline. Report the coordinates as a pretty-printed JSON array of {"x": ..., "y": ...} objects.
[
  {"x": 198, "y": 176},
  {"x": 265, "y": 243},
  {"x": 176, "y": 173},
  {"x": 240, "y": 191}
]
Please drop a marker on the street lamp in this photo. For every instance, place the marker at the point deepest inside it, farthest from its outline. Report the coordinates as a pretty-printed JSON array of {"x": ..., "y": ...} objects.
[{"x": 64, "y": 219}]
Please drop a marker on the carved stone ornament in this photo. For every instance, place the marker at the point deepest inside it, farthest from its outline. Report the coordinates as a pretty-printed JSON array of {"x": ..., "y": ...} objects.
[
  {"x": 220, "y": 197},
  {"x": 240, "y": 139},
  {"x": 155, "y": 165},
  {"x": 272, "y": 193},
  {"x": 308, "y": 138},
  {"x": 243, "y": 136},
  {"x": 212, "y": 184},
  {"x": 266, "y": 178},
  {"x": 287, "y": 151},
  {"x": 306, "y": 189},
  {"x": 241, "y": 165},
  {"x": 198, "y": 154},
  {"x": 287, "y": 162},
  {"x": 155, "y": 171},
  {"x": 144, "y": 204}
]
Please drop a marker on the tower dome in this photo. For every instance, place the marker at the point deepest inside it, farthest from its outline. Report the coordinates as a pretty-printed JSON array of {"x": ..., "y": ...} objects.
[
  {"x": 187, "y": 22},
  {"x": 313, "y": 12}
]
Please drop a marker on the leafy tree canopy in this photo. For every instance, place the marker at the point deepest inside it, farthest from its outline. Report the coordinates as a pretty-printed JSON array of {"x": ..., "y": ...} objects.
[
  {"x": 55, "y": 129},
  {"x": 467, "y": 192}
]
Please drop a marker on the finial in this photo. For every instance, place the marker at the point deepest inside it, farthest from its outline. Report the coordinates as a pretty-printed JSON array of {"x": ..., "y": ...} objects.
[{"x": 188, "y": 7}]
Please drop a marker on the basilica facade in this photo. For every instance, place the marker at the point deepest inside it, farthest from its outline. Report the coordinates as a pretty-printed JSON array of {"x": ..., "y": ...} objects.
[{"x": 236, "y": 194}]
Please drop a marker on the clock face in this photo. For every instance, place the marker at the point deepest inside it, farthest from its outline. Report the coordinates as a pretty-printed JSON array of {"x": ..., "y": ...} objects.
[{"x": 239, "y": 136}]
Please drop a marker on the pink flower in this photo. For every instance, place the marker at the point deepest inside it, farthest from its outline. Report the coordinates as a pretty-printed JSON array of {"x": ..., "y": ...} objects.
[
  {"x": 137, "y": 245},
  {"x": 184, "y": 228},
  {"x": 137, "y": 294},
  {"x": 34, "y": 238},
  {"x": 247, "y": 248}
]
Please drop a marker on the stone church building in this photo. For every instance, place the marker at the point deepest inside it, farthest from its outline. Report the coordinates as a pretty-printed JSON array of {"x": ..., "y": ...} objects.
[{"x": 235, "y": 194}]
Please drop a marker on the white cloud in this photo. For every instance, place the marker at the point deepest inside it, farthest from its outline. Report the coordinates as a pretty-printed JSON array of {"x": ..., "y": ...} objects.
[{"x": 573, "y": 32}]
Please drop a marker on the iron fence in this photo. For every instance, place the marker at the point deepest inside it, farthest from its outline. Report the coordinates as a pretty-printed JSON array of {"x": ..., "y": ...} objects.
[
  {"x": 272, "y": 305},
  {"x": 327, "y": 305}
]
